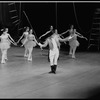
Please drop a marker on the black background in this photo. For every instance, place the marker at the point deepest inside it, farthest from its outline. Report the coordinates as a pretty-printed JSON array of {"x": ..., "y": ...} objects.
[{"x": 59, "y": 14}]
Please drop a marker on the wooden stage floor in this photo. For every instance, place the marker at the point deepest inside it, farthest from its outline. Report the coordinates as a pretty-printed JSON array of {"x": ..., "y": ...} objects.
[{"x": 75, "y": 78}]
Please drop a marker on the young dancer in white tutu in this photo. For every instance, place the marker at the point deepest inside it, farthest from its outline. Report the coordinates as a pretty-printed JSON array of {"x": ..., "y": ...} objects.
[
  {"x": 54, "y": 44},
  {"x": 73, "y": 43},
  {"x": 30, "y": 44},
  {"x": 24, "y": 40},
  {"x": 6, "y": 40}
]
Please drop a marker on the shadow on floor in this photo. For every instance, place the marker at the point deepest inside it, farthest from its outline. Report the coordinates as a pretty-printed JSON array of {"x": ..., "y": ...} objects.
[{"x": 94, "y": 93}]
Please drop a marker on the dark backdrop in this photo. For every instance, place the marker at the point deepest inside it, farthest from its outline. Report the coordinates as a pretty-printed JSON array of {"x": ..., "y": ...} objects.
[{"x": 60, "y": 15}]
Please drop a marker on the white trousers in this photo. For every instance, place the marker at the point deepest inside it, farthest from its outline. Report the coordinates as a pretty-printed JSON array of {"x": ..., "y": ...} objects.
[{"x": 53, "y": 56}]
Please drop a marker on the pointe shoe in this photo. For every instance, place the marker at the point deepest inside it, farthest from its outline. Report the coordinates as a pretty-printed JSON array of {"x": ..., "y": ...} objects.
[
  {"x": 25, "y": 55},
  {"x": 73, "y": 57},
  {"x": 70, "y": 53},
  {"x": 3, "y": 62},
  {"x": 6, "y": 58},
  {"x": 29, "y": 59}
]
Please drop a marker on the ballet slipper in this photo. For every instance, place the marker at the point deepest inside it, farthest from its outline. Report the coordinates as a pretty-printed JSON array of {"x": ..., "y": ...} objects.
[
  {"x": 25, "y": 55},
  {"x": 3, "y": 62},
  {"x": 29, "y": 59},
  {"x": 70, "y": 53},
  {"x": 73, "y": 57}
]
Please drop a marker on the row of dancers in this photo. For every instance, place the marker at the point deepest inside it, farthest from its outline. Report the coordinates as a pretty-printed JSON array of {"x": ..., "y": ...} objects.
[{"x": 52, "y": 38}]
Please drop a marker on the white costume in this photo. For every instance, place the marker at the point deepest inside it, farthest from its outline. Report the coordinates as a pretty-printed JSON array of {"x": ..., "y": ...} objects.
[
  {"x": 73, "y": 43},
  {"x": 25, "y": 38},
  {"x": 24, "y": 41},
  {"x": 4, "y": 45},
  {"x": 54, "y": 53},
  {"x": 54, "y": 45},
  {"x": 29, "y": 45}
]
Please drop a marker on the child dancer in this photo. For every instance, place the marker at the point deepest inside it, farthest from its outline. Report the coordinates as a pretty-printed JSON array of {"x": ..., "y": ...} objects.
[
  {"x": 73, "y": 43},
  {"x": 24, "y": 40},
  {"x": 6, "y": 40},
  {"x": 32, "y": 42}
]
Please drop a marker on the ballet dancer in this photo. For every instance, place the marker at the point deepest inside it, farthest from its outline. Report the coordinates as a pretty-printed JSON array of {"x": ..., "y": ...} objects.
[
  {"x": 30, "y": 44},
  {"x": 54, "y": 44},
  {"x": 24, "y": 40},
  {"x": 73, "y": 43},
  {"x": 6, "y": 40}
]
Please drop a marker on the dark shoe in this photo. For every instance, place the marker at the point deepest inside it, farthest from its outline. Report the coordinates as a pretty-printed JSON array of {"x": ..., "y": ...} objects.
[
  {"x": 54, "y": 68},
  {"x": 54, "y": 72}
]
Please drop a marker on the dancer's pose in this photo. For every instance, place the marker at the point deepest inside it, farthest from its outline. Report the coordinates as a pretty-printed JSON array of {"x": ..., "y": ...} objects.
[
  {"x": 73, "y": 43},
  {"x": 54, "y": 45},
  {"x": 6, "y": 40},
  {"x": 24, "y": 40},
  {"x": 32, "y": 42}
]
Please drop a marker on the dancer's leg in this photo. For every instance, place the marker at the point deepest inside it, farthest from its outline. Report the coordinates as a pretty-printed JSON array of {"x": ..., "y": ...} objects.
[
  {"x": 73, "y": 53},
  {"x": 30, "y": 54},
  {"x": 3, "y": 55},
  {"x": 70, "y": 51}
]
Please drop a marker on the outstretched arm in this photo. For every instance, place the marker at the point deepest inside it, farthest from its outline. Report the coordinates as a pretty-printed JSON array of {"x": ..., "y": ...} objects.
[
  {"x": 35, "y": 40},
  {"x": 81, "y": 36},
  {"x": 63, "y": 32},
  {"x": 44, "y": 34},
  {"x": 44, "y": 45},
  {"x": 20, "y": 38},
  {"x": 12, "y": 41}
]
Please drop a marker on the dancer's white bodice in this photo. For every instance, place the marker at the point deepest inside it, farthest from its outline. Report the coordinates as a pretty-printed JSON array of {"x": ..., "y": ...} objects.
[
  {"x": 4, "y": 37},
  {"x": 26, "y": 34}
]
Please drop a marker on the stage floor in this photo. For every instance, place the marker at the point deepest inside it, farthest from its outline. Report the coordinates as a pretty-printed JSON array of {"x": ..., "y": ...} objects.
[{"x": 75, "y": 78}]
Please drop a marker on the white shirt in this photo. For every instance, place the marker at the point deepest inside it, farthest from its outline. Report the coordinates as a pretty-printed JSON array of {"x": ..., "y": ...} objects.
[{"x": 54, "y": 44}]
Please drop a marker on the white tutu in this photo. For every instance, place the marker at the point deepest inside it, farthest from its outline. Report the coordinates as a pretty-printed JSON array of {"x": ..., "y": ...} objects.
[
  {"x": 30, "y": 44},
  {"x": 5, "y": 45},
  {"x": 74, "y": 43}
]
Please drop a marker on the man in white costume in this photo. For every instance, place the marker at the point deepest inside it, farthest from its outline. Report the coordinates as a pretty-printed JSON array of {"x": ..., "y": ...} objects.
[{"x": 54, "y": 45}]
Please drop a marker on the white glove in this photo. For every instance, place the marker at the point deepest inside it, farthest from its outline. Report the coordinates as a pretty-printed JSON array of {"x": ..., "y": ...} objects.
[{"x": 40, "y": 44}]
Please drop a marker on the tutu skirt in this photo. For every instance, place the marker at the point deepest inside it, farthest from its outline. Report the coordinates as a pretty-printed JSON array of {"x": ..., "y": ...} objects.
[
  {"x": 5, "y": 45},
  {"x": 30, "y": 44},
  {"x": 74, "y": 43}
]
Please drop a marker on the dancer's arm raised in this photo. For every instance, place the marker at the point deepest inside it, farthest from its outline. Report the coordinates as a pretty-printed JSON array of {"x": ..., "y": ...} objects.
[{"x": 64, "y": 32}]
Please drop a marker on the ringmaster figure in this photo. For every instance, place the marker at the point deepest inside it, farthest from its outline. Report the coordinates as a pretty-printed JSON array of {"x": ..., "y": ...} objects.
[{"x": 54, "y": 45}]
